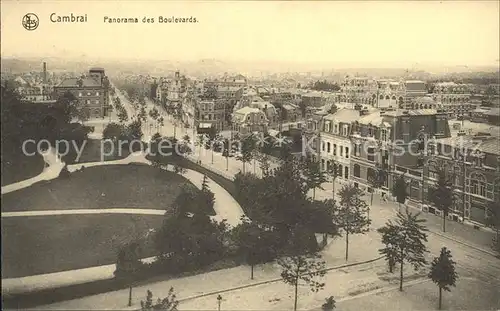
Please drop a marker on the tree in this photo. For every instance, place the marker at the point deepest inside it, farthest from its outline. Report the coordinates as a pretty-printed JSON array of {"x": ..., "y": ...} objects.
[
  {"x": 335, "y": 171},
  {"x": 247, "y": 148},
  {"x": 376, "y": 180},
  {"x": 314, "y": 175},
  {"x": 441, "y": 195},
  {"x": 265, "y": 165},
  {"x": 122, "y": 114},
  {"x": 303, "y": 108},
  {"x": 329, "y": 304},
  {"x": 75, "y": 109},
  {"x": 302, "y": 268},
  {"x": 399, "y": 190},
  {"x": 350, "y": 214},
  {"x": 404, "y": 242},
  {"x": 255, "y": 242},
  {"x": 168, "y": 303},
  {"x": 129, "y": 264},
  {"x": 494, "y": 220},
  {"x": 443, "y": 272},
  {"x": 333, "y": 109},
  {"x": 113, "y": 131}
]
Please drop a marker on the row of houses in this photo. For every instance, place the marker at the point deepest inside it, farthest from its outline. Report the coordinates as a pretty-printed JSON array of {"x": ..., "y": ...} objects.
[{"x": 361, "y": 141}]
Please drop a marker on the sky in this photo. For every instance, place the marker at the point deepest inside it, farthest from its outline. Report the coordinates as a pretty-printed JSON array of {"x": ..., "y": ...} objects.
[{"x": 330, "y": 32}]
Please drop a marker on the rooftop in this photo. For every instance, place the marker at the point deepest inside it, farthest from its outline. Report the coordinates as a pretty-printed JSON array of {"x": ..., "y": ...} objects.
[
  {"x": 344, "y": 115},
  {"x": 417, "y": 112},
  {"x": 486, "y": 144},
  {"x": 73, "y": 82}
]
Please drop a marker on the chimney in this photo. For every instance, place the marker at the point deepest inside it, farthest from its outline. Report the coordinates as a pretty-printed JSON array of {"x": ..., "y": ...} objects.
[{"x": 44, "y": 73}]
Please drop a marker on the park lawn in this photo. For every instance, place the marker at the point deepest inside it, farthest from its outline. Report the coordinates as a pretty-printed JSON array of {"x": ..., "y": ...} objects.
[
  {"x": 95, "y": 151},
  {"x": 112, "y": 186},
  {"x": 45, "y": 244},
  {"x": 16, "y": 166}
]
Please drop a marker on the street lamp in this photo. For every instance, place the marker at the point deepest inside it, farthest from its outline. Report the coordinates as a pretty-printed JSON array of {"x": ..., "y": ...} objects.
[{"x": 219, "y": 300}]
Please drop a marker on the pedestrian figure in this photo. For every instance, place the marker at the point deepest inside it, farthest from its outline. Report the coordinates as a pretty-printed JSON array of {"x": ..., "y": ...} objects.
[{"x": 384, "y": 198}]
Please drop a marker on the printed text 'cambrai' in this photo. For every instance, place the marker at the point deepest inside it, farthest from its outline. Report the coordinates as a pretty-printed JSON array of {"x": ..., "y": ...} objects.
[{"x": 71, "y": 18}]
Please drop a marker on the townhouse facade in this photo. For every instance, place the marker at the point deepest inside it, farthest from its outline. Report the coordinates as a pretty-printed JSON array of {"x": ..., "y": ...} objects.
[
  {"x": 211, "y": 112},
  {"x": 247, "y": 120},
  {"x": 475, "y": 162},
  {"x": 336, "y": 143},
  {"x": 388, "y": 139}
]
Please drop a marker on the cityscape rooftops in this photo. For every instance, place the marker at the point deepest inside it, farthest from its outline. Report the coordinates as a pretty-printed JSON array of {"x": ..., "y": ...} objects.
[
  {"x": 416, "y": 112},
  {"x": 486, "y": 144},
  {"x": 86, "y": 82},
  {"x": 344, "y": 115}
]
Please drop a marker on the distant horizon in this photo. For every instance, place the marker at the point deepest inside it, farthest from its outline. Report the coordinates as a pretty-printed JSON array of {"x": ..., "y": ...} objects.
[{"x": 312, "y": 65}]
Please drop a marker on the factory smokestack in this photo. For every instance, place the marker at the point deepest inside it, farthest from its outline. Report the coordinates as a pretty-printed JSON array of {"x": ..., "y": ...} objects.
[{"x": 44, "y": 73}]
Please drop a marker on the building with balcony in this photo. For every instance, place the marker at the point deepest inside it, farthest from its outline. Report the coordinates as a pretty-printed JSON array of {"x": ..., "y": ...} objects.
[
  {"x": 475, "y": 163},
  {"x": 336, "y": 142},
  {"x": 389, "y": 139}
]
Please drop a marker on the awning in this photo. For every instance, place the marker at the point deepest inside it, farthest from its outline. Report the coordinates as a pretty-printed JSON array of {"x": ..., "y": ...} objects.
[{"x": 205, "y": 125}]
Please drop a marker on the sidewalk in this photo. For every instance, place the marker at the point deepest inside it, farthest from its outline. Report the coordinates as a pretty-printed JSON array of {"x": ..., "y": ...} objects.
[
  {"x": 186, "y": 287},
  {"x": 225, "y": 207}
]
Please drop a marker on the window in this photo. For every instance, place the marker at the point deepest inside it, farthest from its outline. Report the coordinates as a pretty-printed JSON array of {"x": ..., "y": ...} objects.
[
  {"x": 341, "y": 151},
  {"x": 323, "y": 146},
  {"x": 371, "y": 154},
  {"x": 383, "y": 135},
  {"x": 336, "y": 131},
  {"x": 345, "y": 130},
  {"x": 328, "y": 147},
  {"x": 370, "y": 131},
  {"x": 357, "y": 149},
  {"x": 477, "y": 184},
  {"x": 347, "y": 152},
  {"x": 96, "y": 93},
  {"x": 346, "y": 172},
  {"x": 79, "y": 94},
  {"x": 88, "y": 94},
  {"x": 97, "y": 102},
  {"x": 334, "y": 149},
  {"x": 357, "y": 170},
  {"x": 327, "y": 127}
]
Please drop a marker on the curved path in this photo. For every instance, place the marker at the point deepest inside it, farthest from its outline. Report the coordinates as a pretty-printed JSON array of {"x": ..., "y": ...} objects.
[{"x": 225, "y": 206}]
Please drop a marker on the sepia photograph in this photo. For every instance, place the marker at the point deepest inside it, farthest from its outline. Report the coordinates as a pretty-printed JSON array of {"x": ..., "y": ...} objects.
[{"x": 250, "y": 155}]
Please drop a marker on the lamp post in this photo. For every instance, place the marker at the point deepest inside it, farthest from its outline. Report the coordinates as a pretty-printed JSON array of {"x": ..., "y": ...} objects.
[
  {"x": 462, "y": 156},
  {"x": 219, "y": 300}
]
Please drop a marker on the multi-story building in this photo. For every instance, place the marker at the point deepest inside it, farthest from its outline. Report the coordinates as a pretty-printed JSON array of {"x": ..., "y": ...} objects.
[
  {"x": 313, "y": 99},
  {"x": 475, "y": 162},
  {"x": 90, "y": 92},
  {"x": 336, "y": 142},
  {"x": 389, "y": 139},
  {"x": 358, "y": 90},
  {"x": 453, "y": 97},
  {"x": 211, "y": 111},
  {"x": 248, "y": 120},
  {"x": 227, "y": 81},
  {"x": 269, "y": 110}
]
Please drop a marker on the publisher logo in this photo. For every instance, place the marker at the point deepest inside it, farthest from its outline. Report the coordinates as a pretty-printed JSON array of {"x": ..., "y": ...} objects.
[{"x": 30, "y": 21}]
